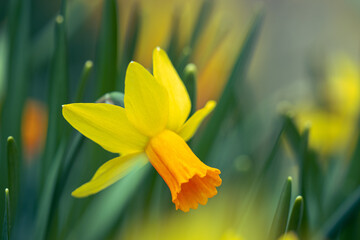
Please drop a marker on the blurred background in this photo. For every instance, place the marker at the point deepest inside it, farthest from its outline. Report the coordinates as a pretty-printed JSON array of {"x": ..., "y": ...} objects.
[{"x": 303, "y": 71}]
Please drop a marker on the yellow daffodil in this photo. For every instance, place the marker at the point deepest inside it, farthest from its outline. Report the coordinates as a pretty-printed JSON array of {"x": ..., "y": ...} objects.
[
  {"x": 333, "y": 121},
  {"x": 155, "y": 124}
]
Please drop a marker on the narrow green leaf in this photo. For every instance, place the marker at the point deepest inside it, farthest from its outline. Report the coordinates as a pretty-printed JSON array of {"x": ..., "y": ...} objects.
[
  {"x": 274, "y": 150},
  {"x": 42, "y": 221},
  {"x": 4, "y": 48},
  {"x": 7, "y": 220},
  {"x": 13, "y": 173},
  {"x": 310, "y": 183},
  {"x": 58, "y": 88},
  {"x": 106, "y": 61},
  {"x": 296, "y": 215},
  {"x": 17, "y": 80},
  {"x": 18, "y": 69},
  {"x": 104, "y": 211},
  {"x": 352, "y": 176},
  {"x": 190, "y": 81},
  {"x": 278, "y": 226},
  {"x": 341, "y": 216},
  {"x": 63, "y": 8},
  {"x": 200, "y": 23},
  {"x": 183, "y": 60},
  {"x": 310, "y": 174},
  {"x": 255, "y": 187},
  {"x": 302, "y": 159},
  {"x": 172, "y": 47},
  {"x": 238, "y": 74},
  {"x": 70, "y": 159},
  {"x": 292, "y": 133},
  {"x": 131, "y": 39},
  {"x": 202, "y": 19},
  {"x": 88, "y": 66},
  {"x": 77, "y": 12},
  {"x": 156, "y": 199}
]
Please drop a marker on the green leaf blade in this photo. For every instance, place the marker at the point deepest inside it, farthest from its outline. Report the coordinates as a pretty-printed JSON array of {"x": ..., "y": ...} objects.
[
  {"x": 6, "y": 224},
  {"x": 202, "y": 19},
  {"x": 278, "y": 226},
  {"x": 342, "y": 215},
  {"x": 17, "y": 80},
  {"x": 296, "y": 215},
  {"x": 13, "y": 162},
  {"x": 106, "y": 62},
  {"x": 190, "y": 81},
  {"x": 87, "y": 69},
  {"x": 104, "y": 211},
  {"x": 42, "y": 221},
  {"x": 58, "y": 93}
]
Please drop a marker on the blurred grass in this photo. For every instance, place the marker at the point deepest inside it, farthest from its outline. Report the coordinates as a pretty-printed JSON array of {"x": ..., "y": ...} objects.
[
  {"x": 58, "y": 92},
  {"x": 295, "y": 218},
  {"x": 238, "y": 73},
  {"x": 17, "y": 75},
  {"x": 106, "y": 62},
  {"x": 66, "y": 162},
  {"x": 6, "y": 228},
  {"x": 13, "y": 163},
  {"x": 279, "y": 223},
  {"x": 103, "y": 213}
]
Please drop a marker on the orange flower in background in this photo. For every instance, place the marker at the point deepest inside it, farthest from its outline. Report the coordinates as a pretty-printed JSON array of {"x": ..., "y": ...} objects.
[
  {"x": 154, "y": 126},
  {"x": 34, "y": 128}
]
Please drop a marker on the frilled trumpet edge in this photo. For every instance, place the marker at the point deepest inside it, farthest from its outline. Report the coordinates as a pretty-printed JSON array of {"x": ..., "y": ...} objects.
[{"x": 190, "y": 181}]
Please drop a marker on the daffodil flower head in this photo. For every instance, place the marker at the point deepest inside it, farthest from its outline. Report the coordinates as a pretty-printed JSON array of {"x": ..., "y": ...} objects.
[{"x": 154, "y": 123}]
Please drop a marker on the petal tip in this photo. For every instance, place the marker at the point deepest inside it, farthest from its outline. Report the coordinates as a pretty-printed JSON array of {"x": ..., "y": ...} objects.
[
  {"x": 75, "y": 194},
  {"x": 80, "y": 193},
  {"x": 211, "y": 104}
]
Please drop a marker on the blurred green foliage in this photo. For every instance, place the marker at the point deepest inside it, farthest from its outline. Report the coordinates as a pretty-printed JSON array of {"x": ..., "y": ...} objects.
[{"x": 38, "y": 204}]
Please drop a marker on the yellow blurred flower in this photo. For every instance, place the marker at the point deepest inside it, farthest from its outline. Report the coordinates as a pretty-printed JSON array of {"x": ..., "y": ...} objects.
[
  {"x": 153, "y": 124},
  {"x": 34, "y": 128},
  {"x": 215, "y": 44},
  {"x": 289, "y": 236},
  {"x": 221, "y": 220},
  {"x": 342, "y": 90},
  {"x": 334, "y": 120},
  {"x": 230, "y": 235}
]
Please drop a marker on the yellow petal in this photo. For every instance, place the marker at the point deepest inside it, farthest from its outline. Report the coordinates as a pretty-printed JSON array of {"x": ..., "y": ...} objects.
[
  {"x": 146, "y": 100},
  {"x": 179, "y": 101},
  {"x": 109, "y": 173},
  {"x": 107, "y": 125},
  {"x": 189, "y": 128}
]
